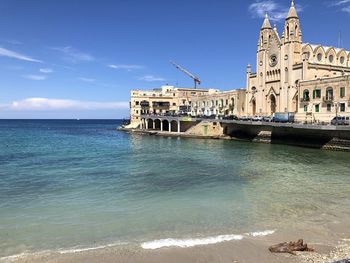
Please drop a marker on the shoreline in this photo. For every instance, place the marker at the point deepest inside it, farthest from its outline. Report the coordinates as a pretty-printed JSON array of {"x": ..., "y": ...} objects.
[{"x": 329, "y": 247}]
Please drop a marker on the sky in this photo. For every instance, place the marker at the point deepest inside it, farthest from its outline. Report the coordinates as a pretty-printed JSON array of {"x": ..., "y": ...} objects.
[{"x": 81, "y": 58}]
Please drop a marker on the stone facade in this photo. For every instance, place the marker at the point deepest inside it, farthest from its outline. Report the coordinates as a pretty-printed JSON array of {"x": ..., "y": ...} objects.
[
  {"x": 219, "y": 103},
  {"x": 284, "y": 64},
  {"x": 165, "y": 100},
  {"x": 322, "y": 99}
]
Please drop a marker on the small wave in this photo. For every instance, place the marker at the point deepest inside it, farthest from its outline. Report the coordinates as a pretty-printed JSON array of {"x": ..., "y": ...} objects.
[
  {"x": 170, "y": 242},
  {"x": 59, "y": 251},
  {"x": 23, "y": 255},
  {"x": 261, "y": 233},
  {"x": 80, "y": 249}
]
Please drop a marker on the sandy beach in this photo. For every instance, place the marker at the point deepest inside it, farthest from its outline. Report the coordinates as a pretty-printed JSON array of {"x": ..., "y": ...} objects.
[{"x": 247, "y": 250}]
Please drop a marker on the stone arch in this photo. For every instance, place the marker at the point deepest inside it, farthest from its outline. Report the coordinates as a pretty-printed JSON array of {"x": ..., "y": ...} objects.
[
  {"x": 307, "y": 51},
  {"x": 319, "y": 50},
  {"x": 165, "y": 125},
  {"x": 331, "y": 56},
  {"x": 173, "y": 126},
  {"x": 329, "y": 94},
  {"x": 273, "y": 105},
  {"x": 150, "y": 123},
  {"x": 306, "y": 95},
  {"x": 342, "y": 58},
  {"x": 157, "y": 124}
]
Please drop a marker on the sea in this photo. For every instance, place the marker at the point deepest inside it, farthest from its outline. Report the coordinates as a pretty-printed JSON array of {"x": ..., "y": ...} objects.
[{"x": 75, "y": 185}]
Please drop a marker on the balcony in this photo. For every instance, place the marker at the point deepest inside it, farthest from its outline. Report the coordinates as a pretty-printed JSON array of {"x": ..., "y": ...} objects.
[
  {"x": 144, "y": 104},
  {"x": 306, "y": 99},
  {"x": 161, "y": 104},
  {"x": 328, "y": 99}
]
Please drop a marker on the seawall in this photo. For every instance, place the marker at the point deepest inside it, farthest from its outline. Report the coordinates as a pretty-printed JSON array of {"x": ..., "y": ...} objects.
[{"x": 316, "y": 136}]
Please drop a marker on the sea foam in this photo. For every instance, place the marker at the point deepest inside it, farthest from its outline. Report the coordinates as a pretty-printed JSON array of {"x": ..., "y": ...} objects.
[
  {"x": 170, "y": 242},
  {"x": 261, "y": 233}
]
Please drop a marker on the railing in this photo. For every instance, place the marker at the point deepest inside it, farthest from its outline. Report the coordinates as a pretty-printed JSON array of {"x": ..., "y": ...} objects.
[
  {"x": 306, "y": 99},
  {"x": 328, "y": 98}
]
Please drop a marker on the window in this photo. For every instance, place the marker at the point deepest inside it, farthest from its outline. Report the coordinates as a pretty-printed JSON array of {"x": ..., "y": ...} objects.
[
  {"x": 174, "y": 104},
  {"x": 306, "y": 96},
  {"x": 137, "y": 102},
  {"x": 305, "y": 108},
  {"x": 342, "y": 60},
  {"x": 329, "y": 93},
  {"x": 329, "y": 107},
  {"x": 342, "y": 92},
  {"x": 342, "y": 107},
  {"x": 319, "y": 56},
  {"x": 317, "y": 94},
  {"x": 137, "y": 112},
  {"x": 331, "y": 58},
  {"x": 317, "y": 108}
]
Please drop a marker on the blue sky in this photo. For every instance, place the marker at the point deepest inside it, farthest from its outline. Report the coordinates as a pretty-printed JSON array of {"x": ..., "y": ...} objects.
[{"x": 80, "y": 59}]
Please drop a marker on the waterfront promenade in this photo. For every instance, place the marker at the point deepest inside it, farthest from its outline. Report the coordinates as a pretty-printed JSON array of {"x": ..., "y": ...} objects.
[{"x": 309, "y": 135}]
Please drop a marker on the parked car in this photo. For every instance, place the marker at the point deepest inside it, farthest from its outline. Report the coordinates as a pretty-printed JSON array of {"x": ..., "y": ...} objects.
[
  {"x": 340, "y": 120},
  {"x": 267, "y": 119},
  {"x": 257, "y": 118},
  {"x": 245, "y": 118},
  {"x": 231, "y": 118}
]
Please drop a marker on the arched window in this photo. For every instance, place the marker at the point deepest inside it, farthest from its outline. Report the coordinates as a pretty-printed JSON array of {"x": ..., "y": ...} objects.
[
  {"x": 306, "y": 95},
  {"x": 342, "y": 60},
  {"x": 331, "y": 58},
  {"x": 319, "y": 56},
  {"x": 329, "y": 94},
  {"x": 296, "y": 30},
  {"x": 288, "y": 32}
]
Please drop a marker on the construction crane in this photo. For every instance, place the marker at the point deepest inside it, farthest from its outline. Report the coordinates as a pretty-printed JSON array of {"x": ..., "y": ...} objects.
[{"x": 195, "y": 79}]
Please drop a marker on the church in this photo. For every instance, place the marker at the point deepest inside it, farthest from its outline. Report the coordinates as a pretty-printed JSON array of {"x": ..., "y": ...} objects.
[{"x": 309, "y": 80}]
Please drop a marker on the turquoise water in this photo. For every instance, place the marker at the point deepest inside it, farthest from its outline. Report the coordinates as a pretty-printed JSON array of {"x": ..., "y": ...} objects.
[{"x": 68, "y": 184}]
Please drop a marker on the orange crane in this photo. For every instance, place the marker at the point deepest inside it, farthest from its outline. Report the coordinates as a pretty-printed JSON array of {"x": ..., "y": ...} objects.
[{"x": 196, "y": 80}]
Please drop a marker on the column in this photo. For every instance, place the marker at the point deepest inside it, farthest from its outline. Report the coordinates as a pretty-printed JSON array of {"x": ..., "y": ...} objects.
[
  {"x": 146, "y": 124},
  {"x": 154, "y": 124},
  {"x": 178, "y": 126},
  {"x": 161, "y": 125},
  {"x": 169, "y": 126}
]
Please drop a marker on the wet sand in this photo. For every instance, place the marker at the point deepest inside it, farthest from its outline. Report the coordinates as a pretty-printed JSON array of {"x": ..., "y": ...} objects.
[{"x": 248, "y": 250}]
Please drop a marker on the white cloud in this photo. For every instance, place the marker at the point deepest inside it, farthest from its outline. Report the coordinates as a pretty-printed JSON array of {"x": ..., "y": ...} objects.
[
  {"x": 87, "y": 79},
  {"x": 151, "y": 78},
  {"x": 341, "y": 2},
  {"x": 14, "y": 42},
  {"x": 34, "y": 77},
  {"x": 275, "y": 10},
  {"x": 12, "y": 54},
  {"x": 73, "y": 55},
  {"x": 125, "y": 66},
  {"x": 45, "y": 104},
  {"x": 344, "y": 5},
  {"x": 46, "y": 70}
]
